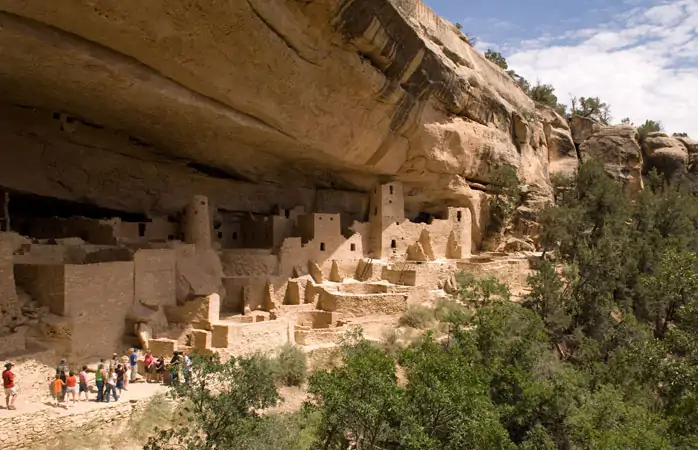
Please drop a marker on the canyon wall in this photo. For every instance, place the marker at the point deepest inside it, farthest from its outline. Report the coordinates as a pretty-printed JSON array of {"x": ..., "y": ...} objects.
[{"x": 136, "y": 107}]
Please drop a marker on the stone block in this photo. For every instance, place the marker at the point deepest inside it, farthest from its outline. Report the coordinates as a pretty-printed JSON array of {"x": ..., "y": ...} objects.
[
  {"x": 162, "y": 347},
  {"x": 202, "y": 339}
]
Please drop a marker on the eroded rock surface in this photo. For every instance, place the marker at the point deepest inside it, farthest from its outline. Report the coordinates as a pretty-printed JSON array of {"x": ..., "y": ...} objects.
[
  {"x": 618, "y": 149},
  {"x": 308, "y": 94}
]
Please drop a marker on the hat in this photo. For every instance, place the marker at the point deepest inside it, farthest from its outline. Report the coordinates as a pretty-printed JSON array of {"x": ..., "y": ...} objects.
[
  {"x": 115, "y": 354},
  {"x": 8, "y": 365}
]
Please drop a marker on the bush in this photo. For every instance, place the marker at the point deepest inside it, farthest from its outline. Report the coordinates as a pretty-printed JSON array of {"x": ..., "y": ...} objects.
[
  {"x": 292, "y": 366},
  {"x": 417, "y": 317},
  {"x": 452, "y": 311}
]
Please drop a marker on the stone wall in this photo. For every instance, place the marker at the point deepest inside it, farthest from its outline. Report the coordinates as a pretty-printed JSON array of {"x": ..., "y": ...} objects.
[
  {"x": 155, "y": 277},
  {"x": 37, "y": 429},
  {"x": 98, "y": 298}
]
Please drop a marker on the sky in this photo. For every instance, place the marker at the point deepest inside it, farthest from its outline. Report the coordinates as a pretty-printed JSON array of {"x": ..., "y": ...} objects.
[{"x": 639, "y": 56}]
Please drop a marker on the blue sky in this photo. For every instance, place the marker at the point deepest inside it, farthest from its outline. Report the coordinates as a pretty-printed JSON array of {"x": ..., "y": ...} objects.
[{"x": 640, "y": 56}]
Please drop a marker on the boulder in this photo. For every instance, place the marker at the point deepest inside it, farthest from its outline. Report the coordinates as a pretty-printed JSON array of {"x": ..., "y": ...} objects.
[
  {"x": 618, "y": 149},
  {"x": 666, "y": 154}
]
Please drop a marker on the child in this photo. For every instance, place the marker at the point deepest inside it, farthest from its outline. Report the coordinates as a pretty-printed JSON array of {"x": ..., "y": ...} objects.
[
  {"x": 57, "y": 389},
  {"x": 120, "y": 372},
  {"x": 82, "y": 377},
  {"x": 71, "y": 383},
  {"x": 159, "y": 369}
]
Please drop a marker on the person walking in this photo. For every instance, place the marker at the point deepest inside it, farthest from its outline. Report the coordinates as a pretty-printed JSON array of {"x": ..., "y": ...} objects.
[
  {"x": 57, "y": 390},
  {"x": 100, "y": 378},
  {"x": 71, "y": 387},
  {"x": 111, "y": 388},
  {"x": 133, "y": 362},
  {"x": 82, "y": 379},
  {"x": 62, "y": 372},
  {"x": 8, "y": 383}
]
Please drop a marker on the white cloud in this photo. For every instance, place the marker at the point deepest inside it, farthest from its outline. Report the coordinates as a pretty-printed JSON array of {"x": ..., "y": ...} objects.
[{"x": 644, "y": 64}]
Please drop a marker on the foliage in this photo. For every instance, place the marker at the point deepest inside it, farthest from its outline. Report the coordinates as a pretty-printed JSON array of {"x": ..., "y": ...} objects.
[
  {"x": 505, "y": 188},
  {"x": 497, "y": 58},
  {"x": 591, "y": 107},
  {"x": 545, "y": 94},
  {"x": 481, "y": 291},
  {"x": 291, "y": 366},
  {"x": 650, "y": 126},
  {"x": 222, "y": 404},
  {"x": 680, "y": 135},
  {"x": 418, "y": 317},
  {"x": 451, "y": 311},
  {"x": 358, "y": 401}
]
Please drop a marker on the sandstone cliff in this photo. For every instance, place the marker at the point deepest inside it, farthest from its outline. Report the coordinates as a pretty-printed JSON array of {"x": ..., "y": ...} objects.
[{"x": 149, "y": 101}]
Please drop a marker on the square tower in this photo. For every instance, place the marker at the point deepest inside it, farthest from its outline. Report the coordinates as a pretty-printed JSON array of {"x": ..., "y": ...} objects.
[
  {"x": 387, "y": 203},
  {"x": 386, "y": 215}
]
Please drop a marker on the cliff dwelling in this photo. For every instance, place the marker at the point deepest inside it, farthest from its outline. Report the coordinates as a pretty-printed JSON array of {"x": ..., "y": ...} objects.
[{"x": 175, "y": 206}]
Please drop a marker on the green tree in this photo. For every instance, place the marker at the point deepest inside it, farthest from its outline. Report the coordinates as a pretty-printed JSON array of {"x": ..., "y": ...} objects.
[
  {"x": 359, "y": 401},
  {"x": 650, "y": 126},
  {"x": 673, "y": 286},
  {"x": 497, "y": 58},
  {"x": 221, "y": 404},
  {"x": 591, "y": 107},
  {"x": 447, "y": 398}
]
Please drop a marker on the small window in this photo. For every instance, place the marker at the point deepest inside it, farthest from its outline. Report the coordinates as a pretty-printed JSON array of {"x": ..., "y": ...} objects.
[
  {"x": 459, "y": 215},
  {"x": 288, "y": 214},
  {"x": 397, "y": 223},
  {"x": 141, "y": 229},
  {"x": 170, "y": 237},
  {"x": 391, "y": 190},
  {"x": 319, "y": 218},
  {"x": 322, "y": 246},
  {"x": 331, "y": 219},
  {"x": 220, "y": 235},
  {"x": 353, "y": 247},
  {"x": 235, "y": 235},
  {"x": 203, "y": 203},
  {"x": 375, "y": 211},
  {"x": 390, "y": 201},
  {"x": 393, "y": 244}
]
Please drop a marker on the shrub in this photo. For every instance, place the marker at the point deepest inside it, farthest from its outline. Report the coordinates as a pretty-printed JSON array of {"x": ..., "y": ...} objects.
[
  {"x": 452, "y": 311},
  {"x": 292, "y": 366},
  {"x": 417, "y": 317}
]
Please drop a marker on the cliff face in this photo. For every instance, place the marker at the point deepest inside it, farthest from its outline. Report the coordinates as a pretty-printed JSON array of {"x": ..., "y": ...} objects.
[{"x": 325, "y": 93}]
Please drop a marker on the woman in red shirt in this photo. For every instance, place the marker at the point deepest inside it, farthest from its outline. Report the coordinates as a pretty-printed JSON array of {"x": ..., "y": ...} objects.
[
  {"x": 71, "y": 383},
  {"x": 148, "y": 363},
  {"x": 8, "y": 383}
]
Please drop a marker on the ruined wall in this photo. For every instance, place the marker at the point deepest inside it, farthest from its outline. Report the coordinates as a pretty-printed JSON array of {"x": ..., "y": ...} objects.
[
  {"x": 9, "y": 306},
  {"x": 98, "y": 298},
  {"x": 154, "y": 277},
  {"x": 94, "y": 231},
  {"x": 45, "y": 283},
  {"x": 252, "y": 337}
]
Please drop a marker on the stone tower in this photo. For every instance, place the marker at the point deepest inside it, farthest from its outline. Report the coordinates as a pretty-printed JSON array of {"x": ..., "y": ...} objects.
[
  {"x": 387, "y": 211},
  {"x": 197, "y": 222}
]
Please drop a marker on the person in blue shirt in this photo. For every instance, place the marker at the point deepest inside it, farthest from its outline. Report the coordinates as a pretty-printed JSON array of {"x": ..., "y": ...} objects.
[{"x": 133, "y": 362}]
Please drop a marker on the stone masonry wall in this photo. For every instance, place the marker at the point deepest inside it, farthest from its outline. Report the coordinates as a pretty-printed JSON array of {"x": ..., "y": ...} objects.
[
  {"x": 98, "y": 298},
  {"x": 30, "y": 431}
]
